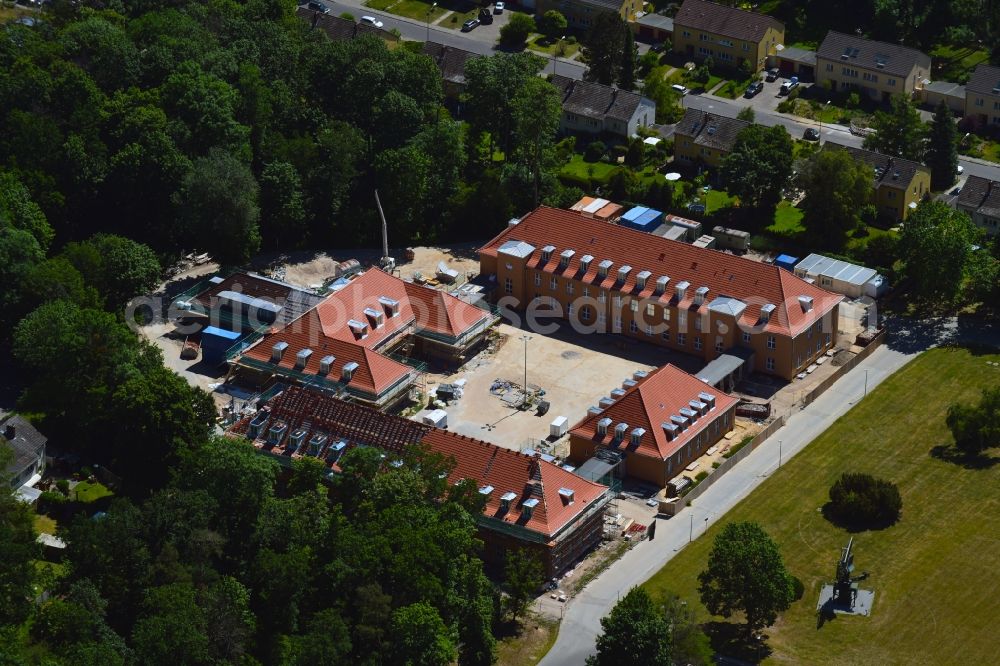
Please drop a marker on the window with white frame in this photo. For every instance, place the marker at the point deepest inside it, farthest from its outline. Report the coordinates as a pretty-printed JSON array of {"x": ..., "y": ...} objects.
[
  {"x": 617, "y": 301},
  {"x": 697, "y": 323},
  {"x": 586, "y": 292},
  {"x": 569, "y": 309},
  {"x": 633, "y": 305},
  {"x": 602, "y": 318},
  {"x": 697, "y": 343},
  {"x": 616, "y": 326},
  {"x": 633, "y": 327},
  {"x": 771, "y": 343},
  {"x": 508, "y": 286},
  {"x": 746, "y": 336},
  {"x": 585, "y": 313},
  {"x": 650, "y": 310},
  {"x": 665, "y": 335},
  {"x": 649, "y": 330},
  {"x": 538, "y": 279},
  {"x": 682, "y": 318},
  {"x": 569, "y": 287},
  {"x": 681, "y": 339},
  {"x": 602, "y": 297},
  {"x": 553, "y": 284},
  {"x": 769, "y": 363},
  {"x": 666, "y": 314}
]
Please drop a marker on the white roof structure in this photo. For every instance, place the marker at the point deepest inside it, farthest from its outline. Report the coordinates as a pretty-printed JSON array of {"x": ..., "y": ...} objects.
[
  {"x": 518, "y": 249},
  {"x": 728, "y": 305},
  {"x": 835, "y": 269}
]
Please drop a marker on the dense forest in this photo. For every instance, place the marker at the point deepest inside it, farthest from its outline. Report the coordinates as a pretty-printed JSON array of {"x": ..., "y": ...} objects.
[{"x": 231, "y": 127}]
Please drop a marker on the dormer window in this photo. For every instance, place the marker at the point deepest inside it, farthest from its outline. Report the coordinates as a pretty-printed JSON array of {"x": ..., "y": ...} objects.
[
  {"x": 765, "y": 312},
  {"x": 806, "y": 302},
  {"x": 325, "y": 364},
  {"x": 528, "y": 508},
  {"x": 506, "y": 499},
  {"x": 699, "y": 295},
  {"x": 547, "y": 253},
  {"x": 681, "y": 289},
  {"x": 375, "y": 316},
  {"x": 661, "y": 284},
  {"x": 623, "y": 273},
  {"x": 302, "y": 358},
  {"x": 390, "y": 305},
  {"x": 641, "y": 279},
  {"x": 620, "y": 430},
  {"x": 347, "y": 372},
  {"x": 278, "y": 350},
  {"x": 670, "y": 429},
  {"x": 566, "y": 495},
  {"x": 486, "y": 490},
  {"x": 565, "y": 258},
  {"x": 604, "y": 267},
  {"x": 359, "y": 328},
  {"x": 585, "y": 263},
  {"x": 602, "y": 427},
  {"x": 636, "y": 436}
]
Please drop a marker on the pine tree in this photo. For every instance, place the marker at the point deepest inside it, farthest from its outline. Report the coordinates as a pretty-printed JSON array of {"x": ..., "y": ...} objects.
[
  {"x": 942, "y": 150},
  {"x": 626, "y": 78}
]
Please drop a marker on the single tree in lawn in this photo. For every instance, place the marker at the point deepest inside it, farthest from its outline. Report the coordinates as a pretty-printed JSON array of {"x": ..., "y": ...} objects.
[
  {"x": 517, "y": 29},
  {"x": 536, "y": 118},
  {"x": 553, "y": 24},
  {"x": 603, "y": 47},
  {"x": 935, "y": 246},
  {"x": 899, "y": 132},
  {"x": 746, "y": 574},
  {"x": 976, "y": 427},
  {"x": 636, "y": 633},
  {"x": 522, "y": 578},
  {"x": 626, "y": 77},
  {"x": 758, "y": 167},
  {"x": 942, "y": 148},
  {"x": 836, "y": 187}
]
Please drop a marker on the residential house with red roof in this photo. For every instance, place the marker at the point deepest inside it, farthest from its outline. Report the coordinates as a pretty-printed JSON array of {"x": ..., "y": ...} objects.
[
  {"x": 661, "y": 423},
  {"x": 603, "y": 278},
  {"x": 350, "y": 342},
  {"x": 529, "y": 502}
]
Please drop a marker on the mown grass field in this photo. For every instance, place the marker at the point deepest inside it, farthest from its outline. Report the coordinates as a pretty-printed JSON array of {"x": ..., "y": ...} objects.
[{"x": 934, "y": 573}]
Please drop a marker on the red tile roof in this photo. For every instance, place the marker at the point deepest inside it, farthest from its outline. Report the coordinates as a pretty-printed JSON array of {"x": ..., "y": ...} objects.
[
  {"x": 512, "y": 472},
  {"x": 326, "y": 331},
  {"x": 507, "y": 471},
  {"x": 752, "y": 282},
  {"x": 662, "y": 394}
]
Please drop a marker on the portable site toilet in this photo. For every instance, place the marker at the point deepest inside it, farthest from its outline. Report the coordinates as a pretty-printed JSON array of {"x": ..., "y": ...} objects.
[
  {"x": 787, "y": 262},
  {"x": 559, "y": 427},
  {"x": 215, "y": 342}
]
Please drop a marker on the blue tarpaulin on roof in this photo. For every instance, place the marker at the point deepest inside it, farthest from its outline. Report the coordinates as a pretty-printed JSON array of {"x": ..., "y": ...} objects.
[{"x": 785, "y": 261}]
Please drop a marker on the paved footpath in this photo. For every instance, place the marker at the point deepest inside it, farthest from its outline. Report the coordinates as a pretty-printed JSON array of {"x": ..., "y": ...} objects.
[{"x": 581, "y": 621}]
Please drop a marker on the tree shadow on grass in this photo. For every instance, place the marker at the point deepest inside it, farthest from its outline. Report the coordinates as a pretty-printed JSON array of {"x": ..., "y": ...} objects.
[
  {"x": 825, "y": 614},
  {"x": 956, "y": 456},
  {"x": 855, "y": 526},
  {"x": 730, "y": 640}
]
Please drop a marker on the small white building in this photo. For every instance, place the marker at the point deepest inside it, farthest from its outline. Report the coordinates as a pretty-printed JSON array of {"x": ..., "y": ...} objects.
[{"x": 842, "y": 277}]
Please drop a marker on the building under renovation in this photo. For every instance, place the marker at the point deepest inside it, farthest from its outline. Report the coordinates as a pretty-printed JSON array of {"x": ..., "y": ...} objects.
[{"x": 529, "y": 502}]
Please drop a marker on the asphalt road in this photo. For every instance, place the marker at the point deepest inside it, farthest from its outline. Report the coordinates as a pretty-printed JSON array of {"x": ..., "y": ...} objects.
[{"x": 581, "y": 621}]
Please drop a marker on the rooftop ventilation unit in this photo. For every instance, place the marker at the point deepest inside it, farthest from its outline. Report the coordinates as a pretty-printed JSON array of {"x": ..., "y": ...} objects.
[
  {"x": 347, "y": 372},
  {"x": 699, "y": 295},
  {"x": 359, "y": 328},
  {"x": 679, "y": 421},
  {"x": 636, "y": 435},
  {"x": 565, "y": 258},
  {"x": 681, "y": 289},
  {"x": 620, "y": 430},
  {"x": 391, "y": 305},
  {"x": 376, "y": 316},
  {"x": 765, "y": 312},
  {"x": 641, "y": 279},
  {"x": 585, "y": 263},
  {"x": 567, "y": 495},
  {"x": 506, "y": 499},
  {"x": 604, "y": 267},
  {"x": 623, "y": 273},
  {"x": 302, "y": 358},
  {"x": 806, "y": 302},
  {"x": 661, "y": 284},
  {"x": 708, "y": 399},
  {"x": 547, "y": 252},
  {"x": 602, "y": 426},
  {"x": 528, "y": 508},
  {"x": 326, "y": 363},
  {"x": 670, "y": 429},
  {"x": 486, "y": 490},
  {"x": 278, "y": 350}
]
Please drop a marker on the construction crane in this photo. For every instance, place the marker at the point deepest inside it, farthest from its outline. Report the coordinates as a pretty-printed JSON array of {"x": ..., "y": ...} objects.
[{"x": 387, "y": 263}]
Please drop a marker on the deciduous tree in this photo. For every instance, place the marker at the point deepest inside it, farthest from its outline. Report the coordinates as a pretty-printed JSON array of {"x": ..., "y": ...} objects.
[
  {"x": 935, "y": 246},
  {"x": 635, "y": 633},
  {"x": 899, "y": 132},
  {"x": 836, "y": 188},
  {"x": 745, "y": 573},
  {"x": 976, "y": 427},
  {"x": 522, "y": 579},
  {"x": 759, "y": 167}
]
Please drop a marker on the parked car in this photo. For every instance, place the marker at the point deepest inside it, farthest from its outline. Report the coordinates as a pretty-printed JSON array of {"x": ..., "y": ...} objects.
[
  {"x": 678, "y": 88},
  {"x": 318, "y": 7},
  {"x": 772, "y": 74},
  {"x": 470, "y": 25},
  {"x": 371, "y": 20},
  {"x": 811, "y": 134},
  {"x": 485, "y": 17},
  {"x": 498, "y": 8},
  {"x": 787, "y": 86},
  {"x": 696, "y": 208},
  {"x": 753, "y": 89},
  {"x": 955, "y": 192},
  {"x": 656, "y": 47}
]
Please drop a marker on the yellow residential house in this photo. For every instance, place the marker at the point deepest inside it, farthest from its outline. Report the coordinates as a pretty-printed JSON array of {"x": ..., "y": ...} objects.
[
  {"x": 878, "y": 70},
  {"x": 580, "y": 14},
  {"x": 730, "y": 36},
  {"x": 982, "y": 96},
  {"x": 898, "y": 184},
  {"x": 704, "y": 139}
]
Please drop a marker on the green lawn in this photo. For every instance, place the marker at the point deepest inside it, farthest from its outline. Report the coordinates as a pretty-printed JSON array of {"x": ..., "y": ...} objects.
[
  {"x": 986, "y": 149},
  {"x": 380, "y": 5},
  {"x": 733, "y": 89},
  {"x": 599, "y": 171},
  {"x": 934, "y": 572},
  {"x": 45, "y": 525},
  {"x": 952, "y": 63},
  {"x": 717, "y": 200},
  {"x": 683, "y": 77},
  {"x": 787, "y": 220},
  {"x": 419, "y": 10},
  {"x": 856, "y": 245},
  {"x": 541, "y": 44},
  {"x": 91, "y": 492},
  {"x": 463, "y": 12}
]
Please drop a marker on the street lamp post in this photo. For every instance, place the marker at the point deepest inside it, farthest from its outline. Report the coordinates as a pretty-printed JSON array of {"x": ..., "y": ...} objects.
[
  {"x": 524, "y": 400},
  {"x": 779, "y": 453},
  {"x": 429, "y": 11},
  {"x": 555, "y": 49},
  {"x": 825, "y": 107},
  {"x": 866, "y": 383}
]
